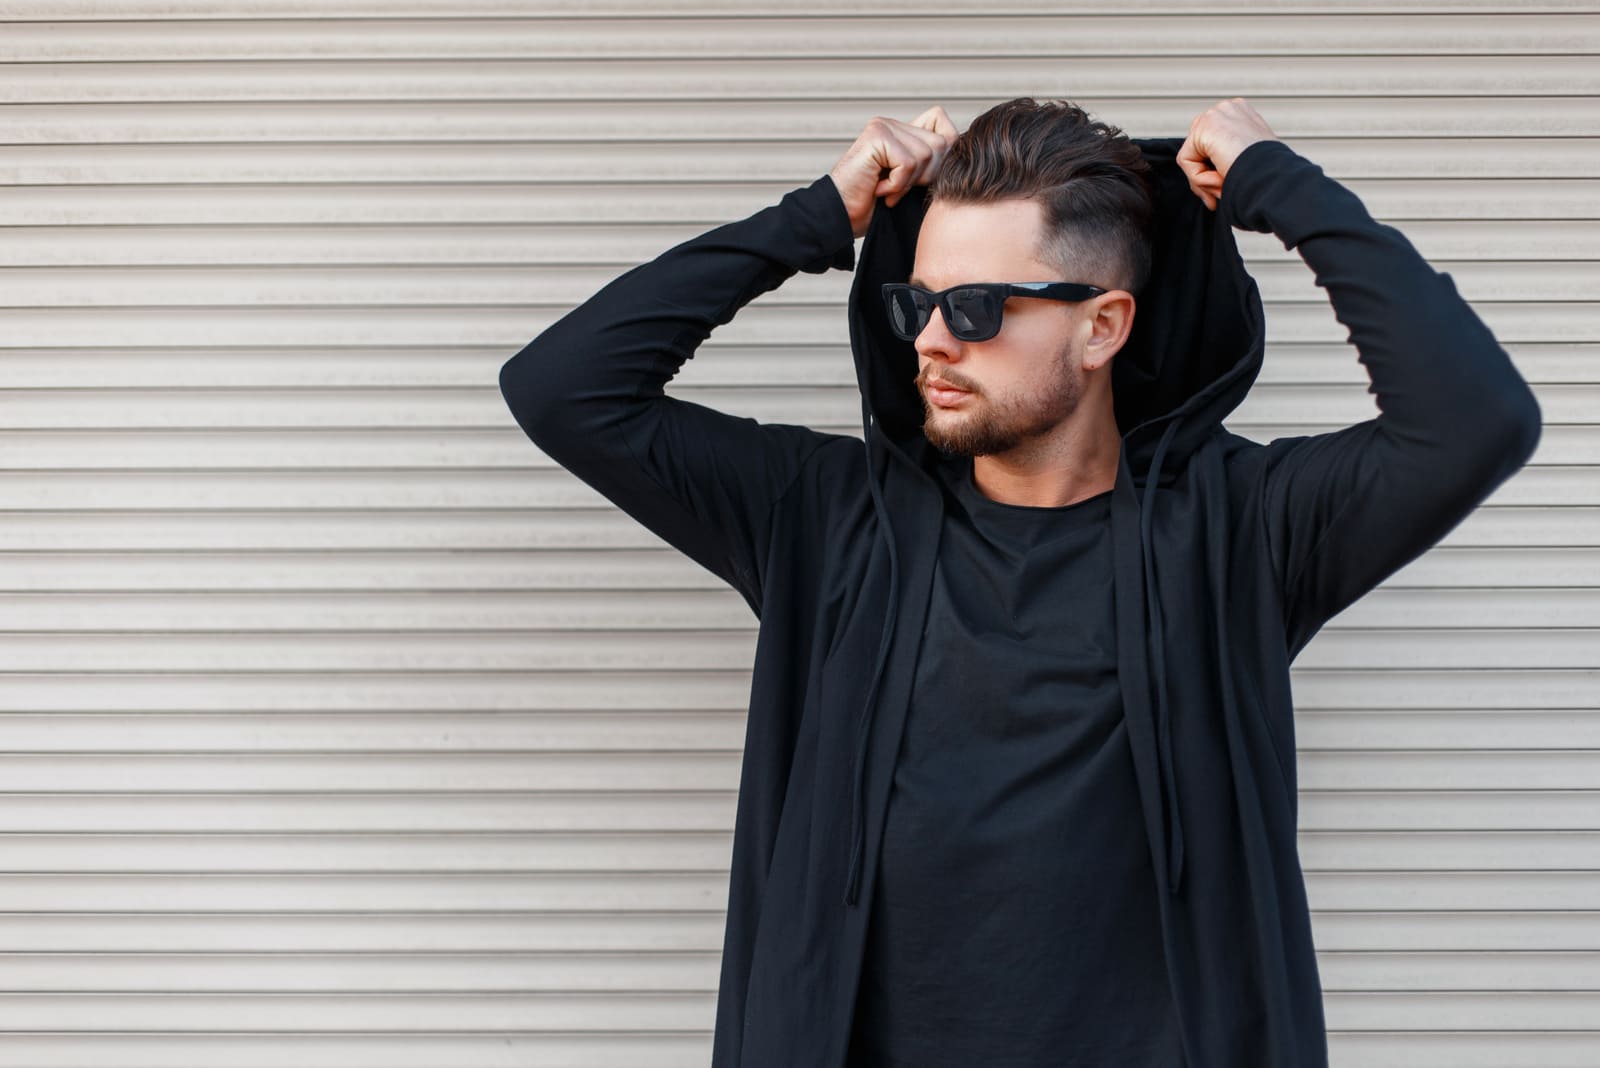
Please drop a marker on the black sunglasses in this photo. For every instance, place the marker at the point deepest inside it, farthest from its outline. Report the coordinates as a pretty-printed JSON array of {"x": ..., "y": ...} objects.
[{"x": 971, "y": 311}]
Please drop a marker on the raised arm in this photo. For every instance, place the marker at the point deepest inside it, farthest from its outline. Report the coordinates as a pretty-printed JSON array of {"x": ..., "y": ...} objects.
[
  {"x": 590, "y": 389},
  {"x": 1346, "y": 509}
]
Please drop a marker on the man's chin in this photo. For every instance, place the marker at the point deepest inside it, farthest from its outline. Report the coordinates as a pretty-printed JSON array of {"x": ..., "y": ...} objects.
[{"x": 949, "y": 448}]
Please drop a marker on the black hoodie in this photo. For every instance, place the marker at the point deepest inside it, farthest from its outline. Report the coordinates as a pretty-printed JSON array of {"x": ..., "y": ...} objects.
[{"x": 1229, "y": 555}]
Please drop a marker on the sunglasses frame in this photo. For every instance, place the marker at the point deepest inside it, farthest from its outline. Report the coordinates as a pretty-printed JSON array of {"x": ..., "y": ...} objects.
[{"x": 1070, "y": 292}]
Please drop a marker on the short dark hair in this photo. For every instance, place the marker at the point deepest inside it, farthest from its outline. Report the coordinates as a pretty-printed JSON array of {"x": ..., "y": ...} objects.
[{"x": 1092, "y": 183}]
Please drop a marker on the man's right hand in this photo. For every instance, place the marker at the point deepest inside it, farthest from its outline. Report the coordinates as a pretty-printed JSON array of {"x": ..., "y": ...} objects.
[{"x": 911, "y": 152}]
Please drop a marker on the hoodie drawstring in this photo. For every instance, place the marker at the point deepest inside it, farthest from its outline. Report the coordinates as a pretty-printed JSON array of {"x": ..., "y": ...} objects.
[
  {"x": 1158, "y": 665},
  {"x": 858, "y": 816}
]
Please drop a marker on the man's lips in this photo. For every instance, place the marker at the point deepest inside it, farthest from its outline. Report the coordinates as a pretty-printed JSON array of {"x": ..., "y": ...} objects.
[{"x": 944, "y": 395}]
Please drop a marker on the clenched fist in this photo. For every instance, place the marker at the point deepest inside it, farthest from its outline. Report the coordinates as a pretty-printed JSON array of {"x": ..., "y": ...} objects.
[
  {"x": 911, "y": 153},
  {"x": 1218, "y": 135}
]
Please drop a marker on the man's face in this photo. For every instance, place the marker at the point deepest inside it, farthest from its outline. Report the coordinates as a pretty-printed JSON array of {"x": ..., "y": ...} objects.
[{"x": 1027, "y": 379}]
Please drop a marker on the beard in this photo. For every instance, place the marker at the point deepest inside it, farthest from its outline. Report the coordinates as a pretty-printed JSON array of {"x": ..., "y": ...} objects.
[{"x": 982, "y": 426}]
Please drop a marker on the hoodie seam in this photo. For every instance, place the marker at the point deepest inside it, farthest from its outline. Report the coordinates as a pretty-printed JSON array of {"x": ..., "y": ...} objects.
[
  {"x": 783, "y": 495},
  {"x": 1290, "y": 594},
  {"x": 1278, "y": 749}
]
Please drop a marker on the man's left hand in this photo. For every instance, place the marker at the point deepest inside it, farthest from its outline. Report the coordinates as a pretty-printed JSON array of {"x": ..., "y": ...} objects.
[{"x": 1216, "y": 137}]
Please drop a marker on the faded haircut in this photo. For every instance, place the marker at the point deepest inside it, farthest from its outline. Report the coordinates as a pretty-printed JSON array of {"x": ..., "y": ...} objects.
[{"x": 1092, "y": 183}]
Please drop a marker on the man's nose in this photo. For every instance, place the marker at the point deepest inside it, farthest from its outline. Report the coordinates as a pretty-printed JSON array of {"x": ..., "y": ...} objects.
[{"x": 936, "y": 336}]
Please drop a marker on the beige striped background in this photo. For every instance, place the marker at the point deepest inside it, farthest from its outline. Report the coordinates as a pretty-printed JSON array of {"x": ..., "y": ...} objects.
[{"x": 338, "y": 727}]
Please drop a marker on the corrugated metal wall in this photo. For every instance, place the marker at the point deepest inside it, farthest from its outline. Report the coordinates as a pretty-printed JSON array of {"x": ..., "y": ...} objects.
[{"x": 341, "y": 728}]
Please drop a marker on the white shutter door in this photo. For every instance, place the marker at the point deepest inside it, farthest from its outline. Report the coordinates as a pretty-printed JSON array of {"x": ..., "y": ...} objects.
[{"x": 339, "y": 727}]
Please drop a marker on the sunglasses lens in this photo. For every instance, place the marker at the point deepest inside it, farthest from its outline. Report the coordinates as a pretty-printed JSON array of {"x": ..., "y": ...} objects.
[
  {"x": 976, "y": 314},
  {"x": 908, "y": 312}
]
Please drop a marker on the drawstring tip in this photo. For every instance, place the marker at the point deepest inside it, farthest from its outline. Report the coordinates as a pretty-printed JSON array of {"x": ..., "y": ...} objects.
[{"x": 854, "y": 883}]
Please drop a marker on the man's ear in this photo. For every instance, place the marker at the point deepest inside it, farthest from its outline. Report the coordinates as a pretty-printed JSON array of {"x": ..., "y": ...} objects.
[{"x": 1112, "y": 321}]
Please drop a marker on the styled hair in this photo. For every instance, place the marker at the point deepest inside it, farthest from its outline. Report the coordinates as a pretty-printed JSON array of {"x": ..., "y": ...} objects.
[{"x": 1092, "y": 183}]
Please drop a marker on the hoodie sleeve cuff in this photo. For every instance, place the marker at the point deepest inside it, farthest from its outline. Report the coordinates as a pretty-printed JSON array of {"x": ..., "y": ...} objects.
[
  {"x": 826, "y": 226},
  {"x": 1270, "y": 188}
]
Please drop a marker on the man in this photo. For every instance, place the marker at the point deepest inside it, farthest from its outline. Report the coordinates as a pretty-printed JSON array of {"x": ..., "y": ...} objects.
[{"x": 1019, "y": 766}]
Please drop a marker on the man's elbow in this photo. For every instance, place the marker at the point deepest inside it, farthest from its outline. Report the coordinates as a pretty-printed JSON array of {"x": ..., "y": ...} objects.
[
  {"x": 1512, "y": 433},
  {"x": 509, "y": 372},
  {"x": 517, "y": 386},
  {"x": 1527, "y": 424}
]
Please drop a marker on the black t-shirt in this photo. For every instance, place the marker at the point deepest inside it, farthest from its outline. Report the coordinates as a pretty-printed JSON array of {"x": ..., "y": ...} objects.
[{"x": 1014, "y": 921}]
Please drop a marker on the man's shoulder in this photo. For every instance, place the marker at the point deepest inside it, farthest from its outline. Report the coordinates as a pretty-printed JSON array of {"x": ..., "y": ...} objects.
[
  {"x": 1236, "y": 446},
  {"x": 840, "y": 461},
  {"x": 1242, "y": 457}
]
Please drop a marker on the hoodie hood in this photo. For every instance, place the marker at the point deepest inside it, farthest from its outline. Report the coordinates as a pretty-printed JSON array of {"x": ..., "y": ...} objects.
[{"x": 1192, "y": 354}]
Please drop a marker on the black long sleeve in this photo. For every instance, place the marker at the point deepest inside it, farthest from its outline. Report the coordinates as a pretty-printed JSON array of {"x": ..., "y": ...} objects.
[
  {"x": 1346, "y": 509},
  {"x": 589, "y": 390}
]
